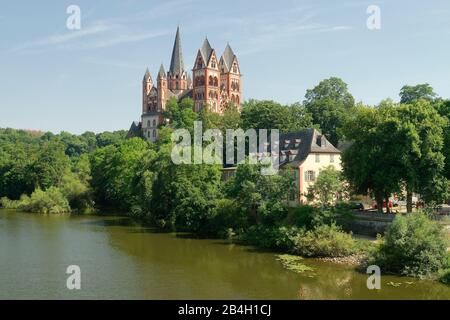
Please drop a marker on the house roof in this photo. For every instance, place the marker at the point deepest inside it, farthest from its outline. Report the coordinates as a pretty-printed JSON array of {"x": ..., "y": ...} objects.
[
  {"x": 135, "y": 130},
  {"x": 301, "y": 144}
]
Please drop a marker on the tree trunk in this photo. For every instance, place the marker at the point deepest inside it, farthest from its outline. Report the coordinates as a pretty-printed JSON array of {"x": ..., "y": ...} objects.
[
  {"x": 388, "y": 210},
  {"x": 409, "y": 201},
  {"x": 379, "y": 200}
]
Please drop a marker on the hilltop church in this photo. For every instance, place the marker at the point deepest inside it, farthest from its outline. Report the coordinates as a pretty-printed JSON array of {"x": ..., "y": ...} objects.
[{"x": 214, "y": 83}]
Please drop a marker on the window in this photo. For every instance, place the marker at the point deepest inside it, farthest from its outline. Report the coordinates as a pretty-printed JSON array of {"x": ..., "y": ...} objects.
[
  {"x": 216, "y": 82},
  {"x": 211, "y": 81},
  {"x": 154, "y": 133},
  {"x": 148, "y": 134},
  {"x": 154, "y": 122},
  {"x": 331, "y": 158},
  {"x": 310, "y": 175},
  {"x": 148, "y": 123},
  {"x": 317, "y": 157},
  {"x": 177, "y": 85}
]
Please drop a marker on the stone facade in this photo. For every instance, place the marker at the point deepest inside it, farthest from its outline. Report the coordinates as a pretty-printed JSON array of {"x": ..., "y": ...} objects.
[{"x": 216, "y": 83}]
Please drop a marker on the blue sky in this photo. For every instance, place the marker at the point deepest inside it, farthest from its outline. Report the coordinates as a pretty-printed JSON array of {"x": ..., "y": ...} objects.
[{"x": 57, "y": 79}]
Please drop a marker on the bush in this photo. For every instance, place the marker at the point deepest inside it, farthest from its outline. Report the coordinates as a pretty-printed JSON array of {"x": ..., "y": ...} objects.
[
  {"x": 324, "y": 241},
  {"x": 308, "y": 217},
  {"x": 50, "y": 201},
  {"x": 445, "y": 276},
  {"x": 413, "y": 245}
]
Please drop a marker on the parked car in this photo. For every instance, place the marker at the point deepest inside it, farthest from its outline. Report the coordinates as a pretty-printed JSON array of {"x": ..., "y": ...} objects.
[
  {"x": 355, "y": 205},
  {"x": 375, "y": 206}
]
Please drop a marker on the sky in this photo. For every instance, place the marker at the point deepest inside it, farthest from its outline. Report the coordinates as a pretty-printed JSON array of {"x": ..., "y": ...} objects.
[{"x": 54, "y": 79}]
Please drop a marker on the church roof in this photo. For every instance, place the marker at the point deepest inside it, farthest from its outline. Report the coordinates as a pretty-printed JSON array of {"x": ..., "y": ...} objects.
[
  {"x": 147, "y": 75},
  {"x": 228, "y": 56},
  {"x": 206, "y": 50},
  {"x": 162, "y": 72},
  {"x": 176, "y": 63}
]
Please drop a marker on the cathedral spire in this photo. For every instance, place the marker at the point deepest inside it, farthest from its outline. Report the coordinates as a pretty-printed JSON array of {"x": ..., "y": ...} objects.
[
  {"x": 147, "y": 75},
  {"x": 162, "y": 72},
  {"x": 176, "y": 63}
]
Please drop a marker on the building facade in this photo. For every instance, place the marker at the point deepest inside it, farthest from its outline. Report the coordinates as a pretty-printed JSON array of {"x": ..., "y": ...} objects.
[{"x": 215, "y": 83}]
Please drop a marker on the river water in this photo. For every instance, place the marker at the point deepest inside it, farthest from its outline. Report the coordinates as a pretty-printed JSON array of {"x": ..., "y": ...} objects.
[{"x": 121, "y": 260}]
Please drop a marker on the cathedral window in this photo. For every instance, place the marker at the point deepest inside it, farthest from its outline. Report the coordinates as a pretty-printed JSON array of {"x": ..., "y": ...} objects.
[
  {"x": 211, "y": 81},
  {"x": 216, "y": 82}
]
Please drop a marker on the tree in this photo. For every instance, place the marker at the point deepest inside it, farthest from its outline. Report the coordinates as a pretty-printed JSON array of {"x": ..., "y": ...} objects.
[
  {"x": 328, "y": 188},
  {"x": 272, "y": 115},
  {"x": 395, "y": 148},
  {"x": 422, "y": 152},
  {"x": 330, "y": 104},
  {"x": 181, "y": 115},
  {"x": 114, "y": 170},
  {"x": 410, "y": 94},
  {"x": 413, "y": 245},
  {"x": 263, "y": 198},
  {"x": 371, "y": 163},
  {"x": 50, "y": 165},
  {"x": 444, "y": 110}
]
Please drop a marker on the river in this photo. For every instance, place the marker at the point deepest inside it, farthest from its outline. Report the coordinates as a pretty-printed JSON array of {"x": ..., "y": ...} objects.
[{"x": 121, "y": 260}]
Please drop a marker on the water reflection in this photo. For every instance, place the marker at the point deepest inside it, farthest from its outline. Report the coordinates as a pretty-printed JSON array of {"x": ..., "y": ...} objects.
[{"x": 120, "y": 259}]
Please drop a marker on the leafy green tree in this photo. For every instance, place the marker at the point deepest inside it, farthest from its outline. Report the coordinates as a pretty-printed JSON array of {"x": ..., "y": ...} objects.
[
  {"x": 371, "y": 163},
  {"x": 111, "y": 138},
  {"x": 262, "y": 197},
  {"x": 329, "y": 103},
  {"x": 422, "y": 151},
  {"x": 410, "y": 94},
  {"x": 114, "y": 170},
  {"x": 272, "y": 115},
  {"x": 413, "y": 245},
  {"x": 50, "y": 165},
  {"x": 328, "y": 187},
  {"x": 181, "y": 115}
]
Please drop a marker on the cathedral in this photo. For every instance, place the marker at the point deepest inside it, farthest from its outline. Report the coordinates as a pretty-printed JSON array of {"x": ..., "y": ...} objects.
[{"x": 215, "y": 83}]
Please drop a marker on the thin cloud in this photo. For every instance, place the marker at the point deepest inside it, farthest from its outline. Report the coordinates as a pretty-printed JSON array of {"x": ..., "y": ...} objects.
[
  {"x": 95, "y": 29},
  {"x": 127, "y": 38}
]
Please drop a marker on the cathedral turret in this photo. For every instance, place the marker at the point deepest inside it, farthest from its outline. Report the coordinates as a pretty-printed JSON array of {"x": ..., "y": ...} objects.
[
  {"x": 162, "y": 88},
  {"x": 147, "y": 85}
]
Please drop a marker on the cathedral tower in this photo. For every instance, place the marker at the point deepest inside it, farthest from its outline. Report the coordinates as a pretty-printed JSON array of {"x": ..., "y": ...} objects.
[
  {"x": 162, "y": 89},
  {"x": 230, "y": 77},
  {"x": 147, "y": 85},
  {"x": 206, "y": 82}
]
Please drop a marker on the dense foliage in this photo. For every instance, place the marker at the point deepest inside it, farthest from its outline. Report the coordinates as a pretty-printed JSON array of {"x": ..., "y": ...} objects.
[{"x": 413, "y": 245}]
